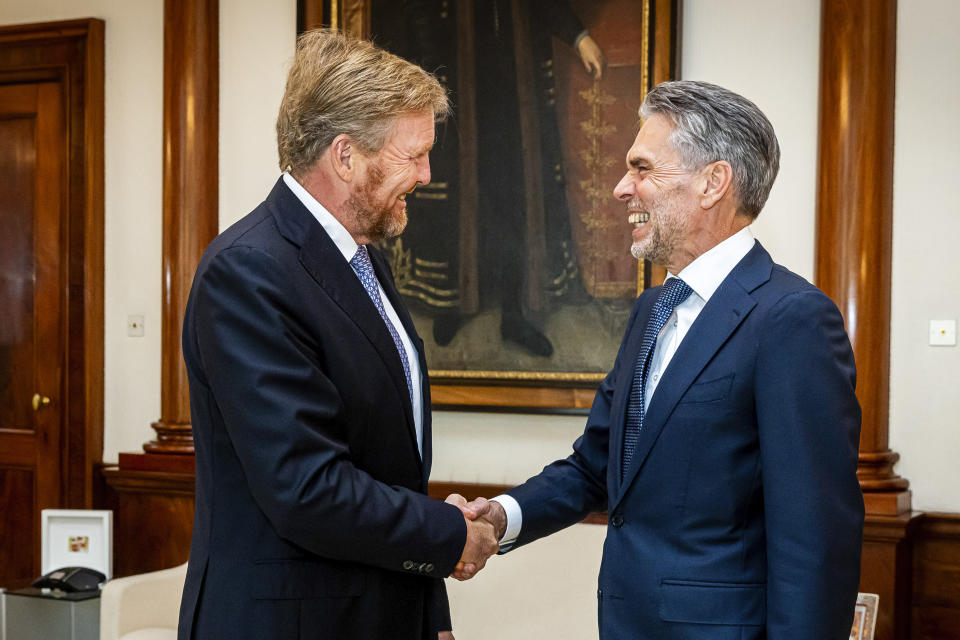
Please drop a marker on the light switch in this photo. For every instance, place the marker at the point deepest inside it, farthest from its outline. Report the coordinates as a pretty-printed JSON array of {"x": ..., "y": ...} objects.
[
  {"x": 943, "y": 333},
  {"x": 135, "y": 326}
]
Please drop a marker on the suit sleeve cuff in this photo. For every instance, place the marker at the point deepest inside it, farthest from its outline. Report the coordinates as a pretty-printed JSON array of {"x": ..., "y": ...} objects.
[{"x": 514, "y": 520}]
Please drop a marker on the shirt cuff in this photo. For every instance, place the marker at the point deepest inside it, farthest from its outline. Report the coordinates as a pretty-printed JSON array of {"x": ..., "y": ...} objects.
[
  {"x": 580, "y": 36},
  {"x": 514, "y": 520}
]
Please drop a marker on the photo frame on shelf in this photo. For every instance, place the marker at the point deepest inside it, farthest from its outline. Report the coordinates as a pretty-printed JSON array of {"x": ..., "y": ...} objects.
[
  {"x": 76, "y": 538},
  {"x": 865, "y": 616}
]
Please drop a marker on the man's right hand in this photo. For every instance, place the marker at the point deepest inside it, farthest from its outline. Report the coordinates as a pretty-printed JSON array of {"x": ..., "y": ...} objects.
[
  {"x": 481, "y": 538},
  {"x": 483, "y": 513}
]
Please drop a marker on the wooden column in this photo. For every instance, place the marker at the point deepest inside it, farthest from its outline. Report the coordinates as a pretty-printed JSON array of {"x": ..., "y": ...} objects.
[
  {"x": 190, "y": 178},
  {"x": 855, "y": 215},
  {"x": 854, "y": 236}
]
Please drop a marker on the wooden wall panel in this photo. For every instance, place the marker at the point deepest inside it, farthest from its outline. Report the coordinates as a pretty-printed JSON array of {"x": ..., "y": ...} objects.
[
  {"x": 935, "y": 607},
  {"x": 19, "y": 534},
  {"x": 153, "y": 521}
]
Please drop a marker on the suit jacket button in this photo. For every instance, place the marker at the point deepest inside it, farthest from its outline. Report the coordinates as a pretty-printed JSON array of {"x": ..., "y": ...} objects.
[
  {"x": 428, "y": 568},
  {"x": 408, "y": 565},
  {"x": 617, "y": 521}
]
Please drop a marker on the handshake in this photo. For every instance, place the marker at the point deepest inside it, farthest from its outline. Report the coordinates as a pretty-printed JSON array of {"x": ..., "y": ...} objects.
[{"x": 486, "y": 524}]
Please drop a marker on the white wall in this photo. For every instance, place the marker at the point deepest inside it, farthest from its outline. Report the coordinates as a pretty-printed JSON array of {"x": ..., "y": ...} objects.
[
  {"x": 924, "y": 398},
  {"x": 766, "y": 50},
  {"x": 256, "y": 48}
]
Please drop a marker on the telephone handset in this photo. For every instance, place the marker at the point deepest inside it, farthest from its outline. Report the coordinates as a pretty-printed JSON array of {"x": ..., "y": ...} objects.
[{"x": 71, "y": 579}]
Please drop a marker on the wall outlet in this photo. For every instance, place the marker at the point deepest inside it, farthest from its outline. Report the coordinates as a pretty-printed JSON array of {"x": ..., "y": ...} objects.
[
  {"x": 943, "y": 333},
  {"x": 135, "y": 326}
]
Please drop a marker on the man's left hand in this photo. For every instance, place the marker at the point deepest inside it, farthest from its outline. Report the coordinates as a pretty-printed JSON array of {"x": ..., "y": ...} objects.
[
  {"x": 445, "y": 635},
  {"x": 592, "y": 56}
]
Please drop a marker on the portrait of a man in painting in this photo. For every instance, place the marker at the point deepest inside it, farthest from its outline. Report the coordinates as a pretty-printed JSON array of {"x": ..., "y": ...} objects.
[{"x": 516, "y": 258}]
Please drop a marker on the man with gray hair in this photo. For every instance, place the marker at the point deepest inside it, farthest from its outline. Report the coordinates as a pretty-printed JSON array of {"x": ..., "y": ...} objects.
[
  {"x": 308, "y": 385},
  {"x": 723, "y": 443}
]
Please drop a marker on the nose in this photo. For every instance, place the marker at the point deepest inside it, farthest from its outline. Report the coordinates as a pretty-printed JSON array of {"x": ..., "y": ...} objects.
[
  {"x": 423, "y": 171},
  {"x": 624, "y": 188}
]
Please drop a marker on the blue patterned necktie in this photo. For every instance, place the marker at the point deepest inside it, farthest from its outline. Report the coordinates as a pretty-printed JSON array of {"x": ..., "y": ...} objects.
[
  {"x": 673, "y": 292},
  {"x": 364, "y": 269}
]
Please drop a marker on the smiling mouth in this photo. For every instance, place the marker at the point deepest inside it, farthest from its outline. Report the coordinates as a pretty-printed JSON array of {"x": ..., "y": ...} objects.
[{"x": 638, "y": 218}]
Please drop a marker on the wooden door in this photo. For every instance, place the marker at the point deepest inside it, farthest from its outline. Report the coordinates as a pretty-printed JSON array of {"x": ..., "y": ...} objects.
[{"x": 33, "y": 196}]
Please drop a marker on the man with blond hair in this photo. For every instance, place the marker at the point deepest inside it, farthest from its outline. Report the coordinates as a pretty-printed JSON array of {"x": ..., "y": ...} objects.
[{"x": 308, "y": 384}]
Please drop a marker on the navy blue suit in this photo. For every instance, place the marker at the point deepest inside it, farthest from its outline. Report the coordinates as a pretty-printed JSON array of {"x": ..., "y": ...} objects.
[
  {"x": 740, "y": 516},
  {"x": 311, "y": 515}
]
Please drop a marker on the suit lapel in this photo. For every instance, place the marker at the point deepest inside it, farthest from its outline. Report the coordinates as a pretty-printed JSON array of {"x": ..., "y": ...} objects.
[
  {"x": 323, "y": 261},
  {"x": 725, "y": 311}
]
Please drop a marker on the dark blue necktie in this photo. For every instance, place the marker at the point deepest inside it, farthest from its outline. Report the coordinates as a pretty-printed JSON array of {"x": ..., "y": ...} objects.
[
  {"x": 673, "y": 292},
  {"x": 364, "y": 269}
]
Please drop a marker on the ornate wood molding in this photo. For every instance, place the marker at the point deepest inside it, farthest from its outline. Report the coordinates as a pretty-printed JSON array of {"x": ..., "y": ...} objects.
[
  {"x": 190, "y": 181},
  {"x": 855, "y": 215}
]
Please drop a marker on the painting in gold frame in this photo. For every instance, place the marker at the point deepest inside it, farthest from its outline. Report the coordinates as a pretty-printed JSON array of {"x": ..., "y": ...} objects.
[{"x": 458, "y": 260}]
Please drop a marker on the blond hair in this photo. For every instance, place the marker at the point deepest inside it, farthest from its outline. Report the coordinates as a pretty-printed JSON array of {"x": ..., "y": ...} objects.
[{"x": 339, "y": 84}]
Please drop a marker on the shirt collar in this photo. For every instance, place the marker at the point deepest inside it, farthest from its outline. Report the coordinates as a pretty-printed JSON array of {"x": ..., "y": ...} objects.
[
  {"x": 337, "y": 232},
  {"x": 706, "y": 273}
]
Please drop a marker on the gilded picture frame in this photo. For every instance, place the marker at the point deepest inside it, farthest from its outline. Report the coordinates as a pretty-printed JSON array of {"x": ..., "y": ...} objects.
[{"x": 593, "y": 121}]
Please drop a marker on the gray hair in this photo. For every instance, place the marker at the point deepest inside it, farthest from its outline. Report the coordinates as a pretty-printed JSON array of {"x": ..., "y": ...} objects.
[
  {"x": 712, "y": 123},
  {"x": 341, "y": 84}
]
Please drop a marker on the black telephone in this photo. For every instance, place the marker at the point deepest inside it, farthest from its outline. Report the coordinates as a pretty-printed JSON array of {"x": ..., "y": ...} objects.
[{"x": 71, "y": 579}]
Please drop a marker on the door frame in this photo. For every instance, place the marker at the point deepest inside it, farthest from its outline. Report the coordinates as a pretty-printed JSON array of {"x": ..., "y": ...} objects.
[{"x": 72, "y": 53}]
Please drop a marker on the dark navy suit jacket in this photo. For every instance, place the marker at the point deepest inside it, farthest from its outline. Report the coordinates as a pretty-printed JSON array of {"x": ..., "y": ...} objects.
[
  {"x": 311, "y": 515},
  {"x": 740, "y": 516}
]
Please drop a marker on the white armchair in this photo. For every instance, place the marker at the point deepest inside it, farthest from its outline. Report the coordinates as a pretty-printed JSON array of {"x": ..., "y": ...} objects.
[{"x": 142, "y": 607}]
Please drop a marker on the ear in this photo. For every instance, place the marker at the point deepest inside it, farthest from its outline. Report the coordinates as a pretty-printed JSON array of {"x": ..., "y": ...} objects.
[
  {"x": 344, "y": 157},
  {"x": 717, "y": 180}
]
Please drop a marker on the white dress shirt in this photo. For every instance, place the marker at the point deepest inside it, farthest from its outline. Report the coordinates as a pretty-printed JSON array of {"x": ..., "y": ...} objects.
[
  {"x": 703, "y": 275},
  {"x": 348, "y": 247}
]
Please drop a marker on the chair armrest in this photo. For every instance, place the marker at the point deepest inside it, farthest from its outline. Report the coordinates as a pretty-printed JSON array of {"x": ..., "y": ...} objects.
[{"x": 144, "y": 600}]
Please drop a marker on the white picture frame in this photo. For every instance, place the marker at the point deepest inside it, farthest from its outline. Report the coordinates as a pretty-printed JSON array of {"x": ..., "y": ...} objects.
[
  {"x": 76, "y": 538},
  {"x": 865, "y": 616}
]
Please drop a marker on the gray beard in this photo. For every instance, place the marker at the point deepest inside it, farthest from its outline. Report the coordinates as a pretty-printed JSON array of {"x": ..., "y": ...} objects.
[{"x": 657, "y": 249}]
